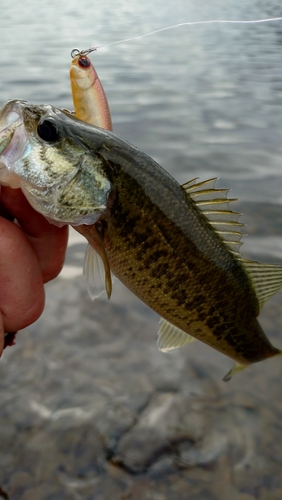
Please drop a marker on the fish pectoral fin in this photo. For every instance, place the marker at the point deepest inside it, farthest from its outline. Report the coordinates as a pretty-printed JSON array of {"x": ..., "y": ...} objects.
[
  {"x": 236, "y": 369},
  {"x": 97, "y": 274},
  {"x": 266, "y": 278},
  {"x": 170, "y": 337}
]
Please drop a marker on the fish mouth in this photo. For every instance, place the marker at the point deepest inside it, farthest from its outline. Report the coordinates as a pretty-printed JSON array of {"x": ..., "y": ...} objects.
[
  {"x": 11, "y": 117},
  {"x": 13, "y": 141}
]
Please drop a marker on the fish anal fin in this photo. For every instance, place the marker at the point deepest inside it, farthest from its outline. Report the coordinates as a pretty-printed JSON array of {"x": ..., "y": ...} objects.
[
  {"x": 170, "y": 337},
  {"x": 266, "y": 278}
]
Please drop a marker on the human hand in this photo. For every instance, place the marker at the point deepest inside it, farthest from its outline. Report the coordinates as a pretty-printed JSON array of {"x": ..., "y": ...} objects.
[{"x": 31, "y": 253}]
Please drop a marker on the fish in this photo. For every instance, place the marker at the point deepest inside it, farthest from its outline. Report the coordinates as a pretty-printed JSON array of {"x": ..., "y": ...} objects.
[
  {"x": 175, "y": 247},
  {"x": 89, "y": 98}
]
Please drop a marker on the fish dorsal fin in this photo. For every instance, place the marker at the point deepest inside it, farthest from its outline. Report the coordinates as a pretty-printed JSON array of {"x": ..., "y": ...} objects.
[
  {"x": 170, "y": 337},
  {"x": 214, "y": 204},
  {"x": 98, "y": 277},
  {"x": 266, "y": 278}
]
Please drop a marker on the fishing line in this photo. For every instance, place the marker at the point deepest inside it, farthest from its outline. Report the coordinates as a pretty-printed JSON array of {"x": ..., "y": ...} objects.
[{"x": 75, "y": 52}]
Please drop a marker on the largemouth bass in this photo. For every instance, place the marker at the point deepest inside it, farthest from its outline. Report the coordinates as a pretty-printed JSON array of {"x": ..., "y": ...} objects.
[{"x": 176, "y": 247}]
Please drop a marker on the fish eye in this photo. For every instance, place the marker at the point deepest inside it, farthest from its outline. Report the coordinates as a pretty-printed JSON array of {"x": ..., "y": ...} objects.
[
  {"x": 84, "y": 62},
  {"x": 47, "y": 131}
]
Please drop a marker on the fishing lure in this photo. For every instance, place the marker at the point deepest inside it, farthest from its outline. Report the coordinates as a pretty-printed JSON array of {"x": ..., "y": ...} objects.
[{"x": 89, "y": 98}]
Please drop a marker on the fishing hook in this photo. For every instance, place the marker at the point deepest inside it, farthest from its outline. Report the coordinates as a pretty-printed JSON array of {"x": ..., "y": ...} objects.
[{"x": 77, "y": 52}]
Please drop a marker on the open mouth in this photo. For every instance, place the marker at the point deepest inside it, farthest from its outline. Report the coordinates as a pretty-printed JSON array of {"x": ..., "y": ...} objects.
[
  {"x": 13, "y": 140},
  {"x": 10, "y": 119}
]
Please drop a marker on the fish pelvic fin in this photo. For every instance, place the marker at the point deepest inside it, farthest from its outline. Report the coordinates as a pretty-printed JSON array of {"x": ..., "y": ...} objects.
[
  {"x": 266, "y": 278},
  {"x": 97, "y": 274},
  {"x": 170, "y": 337},
  {"x": 236, "y": 369}
]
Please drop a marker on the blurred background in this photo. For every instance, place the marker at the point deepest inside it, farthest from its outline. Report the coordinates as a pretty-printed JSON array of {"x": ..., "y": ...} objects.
[{"x": 89, "y": 408}]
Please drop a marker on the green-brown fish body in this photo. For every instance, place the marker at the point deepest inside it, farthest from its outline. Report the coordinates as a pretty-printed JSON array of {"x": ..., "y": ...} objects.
[
  {"x": 165, "y": 251},
  {"x": 152, "y": 233}
]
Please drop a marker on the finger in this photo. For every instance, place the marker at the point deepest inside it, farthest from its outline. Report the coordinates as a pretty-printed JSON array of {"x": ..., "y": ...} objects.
[
  {"x": 21, "y": 283},
  {"x": 5, "y": 213},
  {"x": 48, "y": 241},
  {"x": 1, "y": 335}
]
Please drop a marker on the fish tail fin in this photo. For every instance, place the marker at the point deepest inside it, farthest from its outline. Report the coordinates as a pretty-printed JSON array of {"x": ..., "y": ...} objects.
[{"x": 235, "y": 369}]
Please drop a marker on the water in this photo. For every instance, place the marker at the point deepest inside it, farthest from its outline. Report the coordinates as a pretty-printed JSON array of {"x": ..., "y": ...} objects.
[
  {"x": 86, "y": 399},
  {"x": 202, "y": 100}
]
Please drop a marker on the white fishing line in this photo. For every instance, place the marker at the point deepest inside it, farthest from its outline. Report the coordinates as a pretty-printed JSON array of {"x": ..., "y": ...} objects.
[{"x": 189, "y": 23}]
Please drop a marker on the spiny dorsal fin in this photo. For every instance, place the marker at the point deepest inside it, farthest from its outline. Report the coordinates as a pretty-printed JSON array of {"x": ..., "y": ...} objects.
[
  {"x": 214, "y": 204},
  {"x": 170, "y": 337},
  {"x": 266, "y": 278}
]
